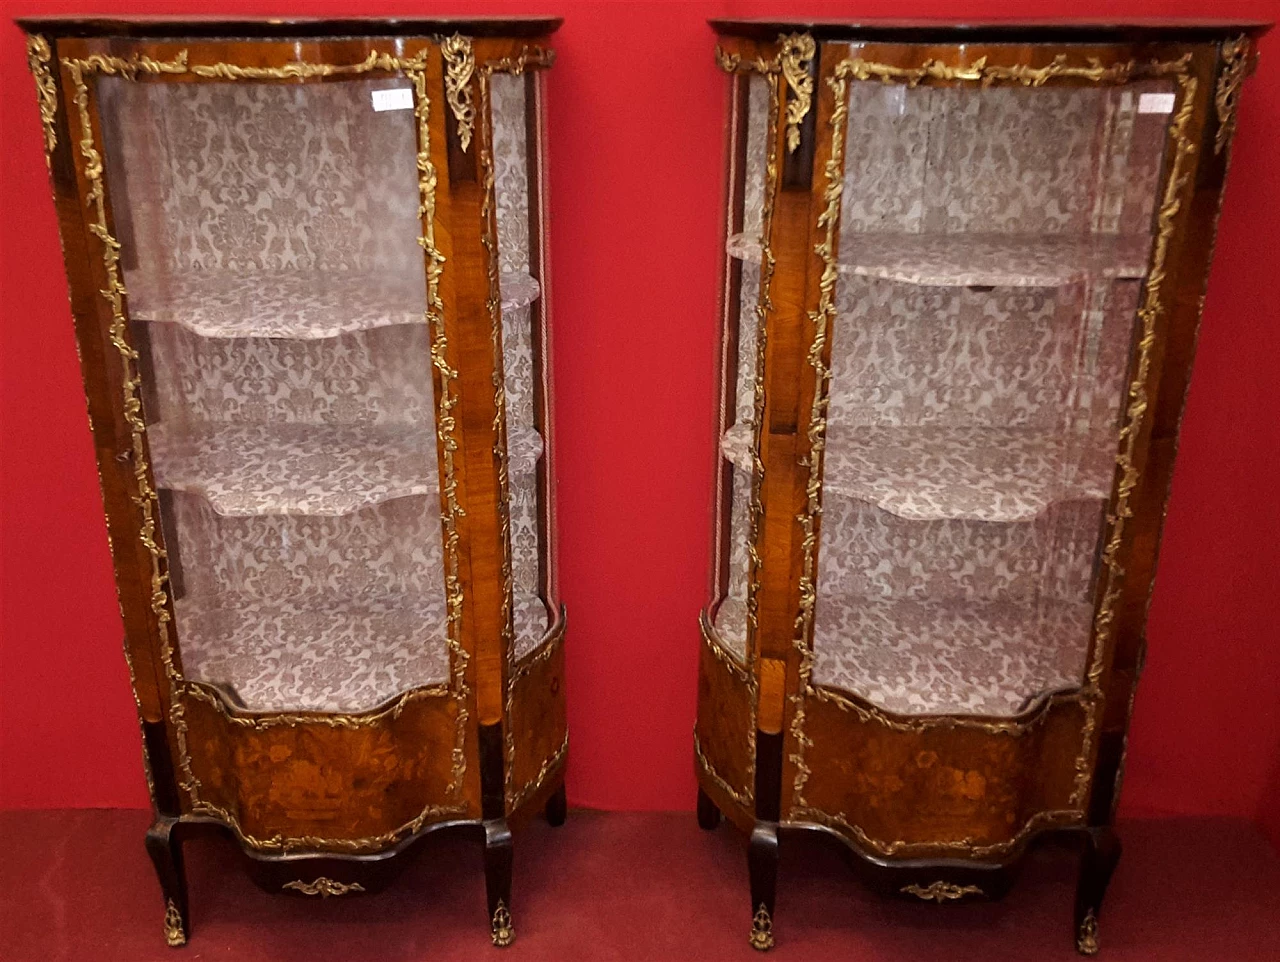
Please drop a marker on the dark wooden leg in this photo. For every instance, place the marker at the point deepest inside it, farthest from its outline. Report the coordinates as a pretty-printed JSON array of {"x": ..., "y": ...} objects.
[
  {"x": 1102, "y": 852},
  {"x": 497, "y": 879},
  {"x": 557, "y": 808},
  {"x": 762, "y": 863},
  {"x": 708, "y": 814},
  {"x": 165, "y": 848}
]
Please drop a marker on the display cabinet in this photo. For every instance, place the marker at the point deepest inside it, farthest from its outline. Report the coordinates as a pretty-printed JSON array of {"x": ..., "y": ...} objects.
[
  {"x": 309, "y": 282},
  {"x": 963, "y": 275}
]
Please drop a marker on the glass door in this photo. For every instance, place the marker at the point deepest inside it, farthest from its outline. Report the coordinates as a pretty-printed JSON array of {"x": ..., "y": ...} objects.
[
  {"x": 277, "y": 299},
  {"x": 995, "y": 238}
]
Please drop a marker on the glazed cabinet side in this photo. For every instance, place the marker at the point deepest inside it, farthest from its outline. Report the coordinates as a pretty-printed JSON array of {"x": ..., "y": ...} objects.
[
  {"x": 114, "y": 449},
  {"x": 1220, "y": 72}
]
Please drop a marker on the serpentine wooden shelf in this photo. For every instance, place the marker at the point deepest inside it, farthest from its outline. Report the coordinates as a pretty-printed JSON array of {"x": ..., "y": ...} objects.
[
  {"x": 962, "y": 278},
  {"x": 306, "y": 262}
]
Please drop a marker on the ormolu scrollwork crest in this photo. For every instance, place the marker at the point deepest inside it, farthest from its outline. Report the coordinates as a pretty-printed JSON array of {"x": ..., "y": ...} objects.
[
  {"x": 323, "y": 887},
  {"x": 38, "y": 57},
  {"x": 941, "y": 891},
  {"x": 794, "y": 61},
  {"x": 460, "y": 66},
  {"x": 1226, "y": 98},
  {"x": 796, "y": 58}
]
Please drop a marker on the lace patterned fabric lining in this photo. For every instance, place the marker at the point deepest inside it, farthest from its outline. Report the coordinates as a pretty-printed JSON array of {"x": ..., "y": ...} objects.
[
  {"x": 277, "y": 292},
  {"x": 324, "y": 654},
  {"x": 992, "y": 246},
  {"x": 949, "y": 657}
]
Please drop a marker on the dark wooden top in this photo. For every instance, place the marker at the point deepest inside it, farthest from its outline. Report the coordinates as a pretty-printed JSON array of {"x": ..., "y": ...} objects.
[
  {"x": 276, "y": 27},
  {"x": 994, "y": 31}
]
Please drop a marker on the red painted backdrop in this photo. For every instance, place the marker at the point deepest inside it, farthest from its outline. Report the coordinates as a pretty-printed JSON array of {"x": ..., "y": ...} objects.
[{"x": 637, "y": 110}]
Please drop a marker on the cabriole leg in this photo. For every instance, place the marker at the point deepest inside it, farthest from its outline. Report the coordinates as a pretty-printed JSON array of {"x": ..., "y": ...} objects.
[
  {"x": 497, "y": 880},
  {"x": 762, "y": 863},
  {"x": 557, "y": 807},
  {"x": 1102, "y": 852},
  {"x": 165, "y": 848},
  {"x": 708, "y": 813}
]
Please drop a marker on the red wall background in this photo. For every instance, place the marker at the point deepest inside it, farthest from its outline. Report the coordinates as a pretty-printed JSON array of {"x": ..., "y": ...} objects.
[{"x": 636, "y": 122}]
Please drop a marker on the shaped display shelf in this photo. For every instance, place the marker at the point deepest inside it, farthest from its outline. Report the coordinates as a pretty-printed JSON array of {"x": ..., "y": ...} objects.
[
  {"x": 982, "y": 260},
  {"x": 300, "y": 305},
  {"x": 931, "y": 473},
  {"x": 323, "y": 654},
  {"x": 955, "y": 657},
  {"x": 315, "y": 469},
  {"x": 933, "y": 657}
]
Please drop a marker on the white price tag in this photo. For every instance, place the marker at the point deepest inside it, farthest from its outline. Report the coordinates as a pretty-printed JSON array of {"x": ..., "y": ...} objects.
[
  {"x": 399, "y": 98},
  {"x": 1155, "y": 104}
]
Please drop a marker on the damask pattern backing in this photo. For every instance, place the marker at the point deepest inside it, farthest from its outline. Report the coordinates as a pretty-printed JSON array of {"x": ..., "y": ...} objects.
[
  {"x": 278, "y": 297},
  {"x": 993, "y": 243},
  {"x": 519, "y": 372}
]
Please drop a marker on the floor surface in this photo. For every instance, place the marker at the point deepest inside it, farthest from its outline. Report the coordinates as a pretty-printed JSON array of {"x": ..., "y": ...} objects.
[{"x": 76, "y": 886}]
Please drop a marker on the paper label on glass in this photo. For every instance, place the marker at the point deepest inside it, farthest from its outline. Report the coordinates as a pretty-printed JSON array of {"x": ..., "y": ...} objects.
[
  {"x": 400, "y": 98},
  {"x": 1155, "y": 104}
]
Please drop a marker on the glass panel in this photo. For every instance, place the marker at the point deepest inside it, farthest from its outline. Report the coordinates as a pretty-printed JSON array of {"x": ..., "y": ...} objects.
[
  {"x": 524, "y": 357},
  {"x": 738, "y": 440},
  {"x": 993, "y": 246},
  {"x": 277, "y": 298}
]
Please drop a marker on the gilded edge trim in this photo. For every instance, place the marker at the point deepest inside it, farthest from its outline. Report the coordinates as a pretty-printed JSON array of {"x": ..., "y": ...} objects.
[
  {"x": 146, "y": 498},
  {"x": 323, "y": 887},
  {"x": 1226, "y": 97},
  {"x": 743, "y": 799},
  {"x": 38, "y": 57},
  {"x": 460, "y": 65},
  {"x": 516, "y": 797},
  {"x": 747, "y": 678},
  {"x": 941, "y": 891},
  {"x": 1090, "y": 695}
]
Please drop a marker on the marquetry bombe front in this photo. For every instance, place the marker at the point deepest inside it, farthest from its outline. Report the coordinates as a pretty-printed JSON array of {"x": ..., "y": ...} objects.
[
  {"x": 963, "y": 275},
  {"x": 307, "y": 272}
]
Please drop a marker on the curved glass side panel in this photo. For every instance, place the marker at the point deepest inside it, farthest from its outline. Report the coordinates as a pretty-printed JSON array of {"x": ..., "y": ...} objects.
[
  {"x": 526, "y": 365},
  {"x": 994, "y": 243},
  {"x": 740, "y": 361},
  {"x": 277, "y": 298}
]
